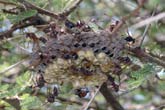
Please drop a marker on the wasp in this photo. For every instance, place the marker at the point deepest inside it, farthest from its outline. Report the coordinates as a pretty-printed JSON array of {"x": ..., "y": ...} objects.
[
  {"x": 130, "y": 39},
  {"x": 35, "y": 40},
  {"x": 80, "y": 23},
  {"x": 43, "y": 40},
  {"x": 113, "y": 25},
  {"x": 53, "y": 32},
  {"x": 55, "y": 91},
  {"x": 83, "y": 26},
  {"x": 69, "y": 24},
  {"x": 125, "y": 60},
  {"x": 86, "y": 28},
  {"x": 82, "y": 92},
  {"x": 81, "y": 71},
  {"x": 71, "y": 27},
  {"x": 40, "y": 81},
  {"x": 112, "y": 82},
  {"x": 52, "y": 95},
  {"x": 77, "y": 27}
]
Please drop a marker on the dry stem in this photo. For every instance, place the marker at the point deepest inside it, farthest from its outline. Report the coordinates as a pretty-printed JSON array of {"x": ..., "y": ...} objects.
[
  {"x": 110, "y": 98},
  {"x": 149, "y": 20}
]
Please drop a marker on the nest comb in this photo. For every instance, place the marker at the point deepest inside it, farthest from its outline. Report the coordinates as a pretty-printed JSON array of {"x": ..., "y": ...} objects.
[{"x": 83, "y": 59}]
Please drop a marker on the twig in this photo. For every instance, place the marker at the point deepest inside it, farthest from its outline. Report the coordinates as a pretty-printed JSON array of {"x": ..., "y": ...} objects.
[
  {"x": 149, "y": 20},
  {"x": 71, "y": 9},
  {"x": 8, "y": 33},
  {"x": 9, "y": 12},
  {"x": 110, "y": 98},
  {"x": 60, "y": 16},
  {"x": 125, "y": 18},
  {"x": 143, "y": 56},
  {"x": 128, "y": 91},
  {"x": 26, "y": 51},
  {"x": 133, "y": 88},
  {"x": 73, "y": 101},
  {"x": 31, "y": 21},
  {"x": 146, "y": 29},
  {"x": 154, "y": 60},
  {"x": 160, "y": 107},
  {"x": 12, "y": 66},
  {"x": 144, "y": 34},
  {"x": 40, "y": 10},
  {"x": 87, "y": 106},
  {"x": 8, "y": 40}
]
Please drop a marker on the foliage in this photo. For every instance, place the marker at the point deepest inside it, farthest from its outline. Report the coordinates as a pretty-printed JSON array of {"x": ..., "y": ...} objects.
[
  {"x": 138, "y": 77},
  {"x": 30, "y": 102},
  {"x": 17, "y": 82},
  {"x": 21, "y": 16}
]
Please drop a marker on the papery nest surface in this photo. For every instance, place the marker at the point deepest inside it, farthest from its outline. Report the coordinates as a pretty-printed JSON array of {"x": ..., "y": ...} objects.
[{"x": 83, "y": 59}]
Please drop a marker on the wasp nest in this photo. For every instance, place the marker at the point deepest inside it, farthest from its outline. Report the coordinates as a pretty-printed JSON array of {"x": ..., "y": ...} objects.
[{"x": 83, "y": 59}]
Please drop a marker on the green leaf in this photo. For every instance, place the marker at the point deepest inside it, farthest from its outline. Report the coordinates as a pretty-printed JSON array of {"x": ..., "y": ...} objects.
[
  {"x": 1, "y": 16},
  {"x": 66, "y": 88},
  {"x": 30, "y": 102},
  {"x": 153, "y": 3},
  {"x": 139, "y": 76},
  {"x": 23, "y": 79},
  {"x": 161, "y": 86},
  {"x": 4, "y": 87},
  {"x": 9, "y": 108},
  {"x": 59, "y": 5},
  {"x": 12, "y": 92},
  {"x": 23, "y": 15}
]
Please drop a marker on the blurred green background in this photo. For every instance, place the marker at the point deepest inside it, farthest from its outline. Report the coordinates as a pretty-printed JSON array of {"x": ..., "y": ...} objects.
[{"x": 146, "y": 93}]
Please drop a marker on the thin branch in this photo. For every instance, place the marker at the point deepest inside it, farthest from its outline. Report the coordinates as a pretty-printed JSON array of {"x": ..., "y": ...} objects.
[
  {"x": 9, "y": 12},
  {"x": 160, "y": 107},
  {"x": 11, "y": 67},
  {"x": 133, "y": 88},
  {"x": 143, "y": 56},
  {"x": 8, "y": 33},
  {"x": 25, "y": 51},
  {"x": 71, "y": 9},
  {"x": 146, "y": 29},
  {"x": 40, "y": 10},
  {"x": 149, "y": 20},
  {"x": 73, "y": 101},
  {"x": 126, "y": 18},
  {"x": 60, "y": 16},
  {"x": 128, "y": 91},
  {"x": 154, "y": 60},
  {"x": 110, "y": 98},
  {"x": 9, "y": 39},
  {"x": 91, "y": 100},
  {"x": 159, "y": 56},
  {"x": 23, "y": 24},
  {"x": 144, "y": 34}
]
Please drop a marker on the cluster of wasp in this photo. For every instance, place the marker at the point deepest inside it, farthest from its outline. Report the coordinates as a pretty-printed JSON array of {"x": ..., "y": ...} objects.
[
  {"x": 78, "y": 54},
  {"x": 52, "y": 94},
  {"x": 40, "y": 82}
]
